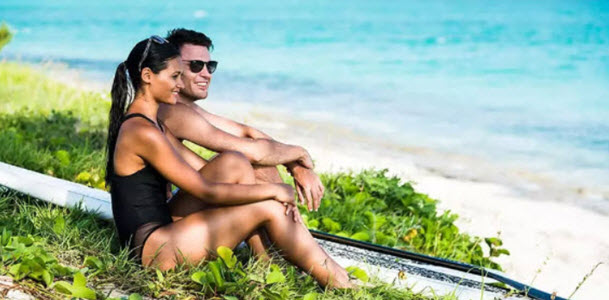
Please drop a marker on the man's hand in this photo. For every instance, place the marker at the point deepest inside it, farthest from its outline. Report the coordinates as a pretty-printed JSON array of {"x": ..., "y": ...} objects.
[
  {"x": 305, "y": 160},
  {"x": 308, "y": 186}
]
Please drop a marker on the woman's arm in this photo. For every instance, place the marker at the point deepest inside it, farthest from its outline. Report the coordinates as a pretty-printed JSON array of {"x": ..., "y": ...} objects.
[
  {"x": 192, "y": 158},
  {"x": 151, "y": 145}
]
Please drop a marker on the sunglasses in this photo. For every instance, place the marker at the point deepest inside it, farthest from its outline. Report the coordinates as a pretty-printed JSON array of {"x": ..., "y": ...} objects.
[
  {"x": 154, "y": 38},
  {"x": 197, "y": 66}
]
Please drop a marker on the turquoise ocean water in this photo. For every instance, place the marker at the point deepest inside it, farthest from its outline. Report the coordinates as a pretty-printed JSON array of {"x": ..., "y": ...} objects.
[{"x": 522, "y": 83}]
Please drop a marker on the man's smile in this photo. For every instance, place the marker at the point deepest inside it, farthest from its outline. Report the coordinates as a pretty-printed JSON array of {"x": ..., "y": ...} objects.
[{"x": 202, "y": 84}]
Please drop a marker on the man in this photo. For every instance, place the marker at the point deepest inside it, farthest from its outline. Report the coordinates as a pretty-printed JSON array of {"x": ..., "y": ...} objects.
[{"x": 188, "y": 121}]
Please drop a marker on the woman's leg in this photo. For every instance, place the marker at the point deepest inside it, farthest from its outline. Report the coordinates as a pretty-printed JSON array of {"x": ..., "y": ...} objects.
[
  {"x": 199, "y": 234},
  {"x": 227, "y": 167}
]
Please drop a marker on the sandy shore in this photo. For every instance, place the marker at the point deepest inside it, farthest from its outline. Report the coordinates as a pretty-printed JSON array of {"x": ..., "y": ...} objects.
[{"x": 554, "y": 243}]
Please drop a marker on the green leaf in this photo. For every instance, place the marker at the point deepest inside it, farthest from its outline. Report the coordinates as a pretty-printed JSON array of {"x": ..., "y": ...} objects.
[
  {"x": 93, "y": 262},
  {"x": 227, "y": 256},
  {"x": 310, "y": 296},
  {"x": 83, "y": 292},
  {"x": 255, "y": 277},
  {"x": 63, "y": 157},
  {"x": 493, "y": 241},
  {"x": 269, "y": 294},
  {"x": 358, "y": 273},
  {"x": 275, "y": 267},
  {"x": 83, "y": 177},
  {"x": 380, "y": 221},
  {"x": 361, "y": 236},
  {"x": 135, "y": 296},
  {"x": 47, "y": 277},
  {"x": 60, "y": 270},
  {"x": 198, "y": 277},
  {"x": 25, "y": 240},
  {"x": 14, "y": 270},
  {"x": 60, "y": 224},
  {"x": 343, "y": 234},
  {"x": 496, "y": 252},
  {"x": 159, "y": 275},
  {"x": 313, "y": 224},
  {"x": 275, "y": 275},
  {"x": 230, "y": 298},
  {"x": 63, "y": 287},
  {"x": 80, "y": 280},
  {"x": 330, "y": 225},
  {"x": 6, "y": 236},
  {"x": 214, "y": 267}
]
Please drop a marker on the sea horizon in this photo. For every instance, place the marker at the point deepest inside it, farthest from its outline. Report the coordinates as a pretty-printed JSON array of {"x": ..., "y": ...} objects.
[{"x": 522, "y": 85}]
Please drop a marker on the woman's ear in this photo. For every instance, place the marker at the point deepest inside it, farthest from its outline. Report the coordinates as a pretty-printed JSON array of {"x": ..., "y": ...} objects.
[{"x": 146, "y": 75}]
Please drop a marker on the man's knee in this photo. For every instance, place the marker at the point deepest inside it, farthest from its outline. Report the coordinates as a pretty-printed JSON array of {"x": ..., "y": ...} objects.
[
  {"x": 234, "y": 159},
  {"x": 267, "y": 174},
  {"x": 271, "y": 210}
]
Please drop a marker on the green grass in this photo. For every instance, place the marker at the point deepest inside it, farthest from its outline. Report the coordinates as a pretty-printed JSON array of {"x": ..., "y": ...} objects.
[
  {"x": 373, "y": 207},
  {"x": 39, "y": 237},
  {"x": 49, "y": 127}
]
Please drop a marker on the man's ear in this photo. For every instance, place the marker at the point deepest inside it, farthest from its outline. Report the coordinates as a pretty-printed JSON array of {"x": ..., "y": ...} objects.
[{"x": 146, "y": 75}]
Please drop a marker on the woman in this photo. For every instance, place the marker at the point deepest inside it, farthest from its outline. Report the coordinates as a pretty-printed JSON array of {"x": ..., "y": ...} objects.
[{"x": 143, "y": 157}]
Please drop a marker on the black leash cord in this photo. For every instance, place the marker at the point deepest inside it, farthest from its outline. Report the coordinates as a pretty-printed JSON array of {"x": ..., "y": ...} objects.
[{"x": 435, "y": 261}]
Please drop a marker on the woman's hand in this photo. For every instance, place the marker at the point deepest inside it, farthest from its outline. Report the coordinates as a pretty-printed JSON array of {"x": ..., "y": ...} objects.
[{"x": 284, "y": 193}]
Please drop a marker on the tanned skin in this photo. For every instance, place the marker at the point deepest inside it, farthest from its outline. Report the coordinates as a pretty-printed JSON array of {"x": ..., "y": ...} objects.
[
  {"x": 241, "y": 206},
  {"x": 189, "y": 121}
]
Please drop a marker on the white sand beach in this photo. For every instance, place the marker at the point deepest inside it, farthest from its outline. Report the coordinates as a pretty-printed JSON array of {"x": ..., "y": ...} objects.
[{"x": 554, "y": 243}]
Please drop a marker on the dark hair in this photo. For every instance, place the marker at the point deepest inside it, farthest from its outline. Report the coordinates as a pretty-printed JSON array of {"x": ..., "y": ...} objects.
[
  {"x": 181, "y": 36},
  {"x": 127, "y": 81}
]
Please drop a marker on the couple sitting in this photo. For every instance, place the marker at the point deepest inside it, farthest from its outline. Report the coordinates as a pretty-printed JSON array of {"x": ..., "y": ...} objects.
[{"x": 238, "y": 195}]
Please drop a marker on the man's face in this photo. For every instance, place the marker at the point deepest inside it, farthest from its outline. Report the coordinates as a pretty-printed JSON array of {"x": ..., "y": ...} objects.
[{"x": 195, "y": 84}]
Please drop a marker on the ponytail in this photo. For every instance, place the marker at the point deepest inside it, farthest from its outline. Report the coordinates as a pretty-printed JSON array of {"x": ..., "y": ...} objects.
[
  {"x": 122, "y": 92},
  {"x": 127, "y": 81}
]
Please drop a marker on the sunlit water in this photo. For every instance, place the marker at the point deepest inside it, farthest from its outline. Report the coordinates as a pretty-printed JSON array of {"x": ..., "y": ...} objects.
[{"x": 524, "y": 84}]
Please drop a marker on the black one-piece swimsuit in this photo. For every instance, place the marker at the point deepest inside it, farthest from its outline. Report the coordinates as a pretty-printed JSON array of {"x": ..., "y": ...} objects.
[{"x": 139, "y": 204}]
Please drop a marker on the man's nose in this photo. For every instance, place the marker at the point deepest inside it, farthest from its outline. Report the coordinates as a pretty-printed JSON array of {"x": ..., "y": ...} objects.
[{"x": 205, "y": 72}]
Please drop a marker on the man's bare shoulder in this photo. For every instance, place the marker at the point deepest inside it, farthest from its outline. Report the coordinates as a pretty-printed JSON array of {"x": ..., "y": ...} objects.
[
  {"x": 200, "y": 110},
  {"x": 178, "y": 111}
]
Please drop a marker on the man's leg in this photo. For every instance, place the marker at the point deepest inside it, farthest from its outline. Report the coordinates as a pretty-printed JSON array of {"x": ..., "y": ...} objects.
[
  {"x": 227, "y": 167},
  {"x": 260, "y": 238},
  {"x": 267, "y": 174}
]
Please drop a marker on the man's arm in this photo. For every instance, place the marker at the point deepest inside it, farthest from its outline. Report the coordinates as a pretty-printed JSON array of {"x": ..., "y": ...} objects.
[
  {"x": 233, "y": 127},
  {"x": 308, "y": 184},
  {"x": 242, "y": 130},
  {"x": 186, "y": 123}
]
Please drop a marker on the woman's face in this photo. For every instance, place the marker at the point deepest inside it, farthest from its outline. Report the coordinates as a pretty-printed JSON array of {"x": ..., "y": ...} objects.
[{"x": 165, "y": 86}]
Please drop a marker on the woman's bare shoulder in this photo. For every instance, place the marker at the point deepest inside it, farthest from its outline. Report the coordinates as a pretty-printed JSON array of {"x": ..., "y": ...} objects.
[{"x": 138, "y": 131}]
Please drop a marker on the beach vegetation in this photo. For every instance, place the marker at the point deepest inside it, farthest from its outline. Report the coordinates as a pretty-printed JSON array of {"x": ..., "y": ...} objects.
[
  {"x": 54, "y": 252},
  {"x": 49, "y": 127},
  {"x": 375, "y": 207},
  {"x": 5, "y": 35}
]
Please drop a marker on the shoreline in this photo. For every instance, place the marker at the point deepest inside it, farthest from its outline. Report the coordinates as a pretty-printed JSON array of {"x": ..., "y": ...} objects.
[
  {"x": 552, "y": 240},
  {"x": 549, "y": 233}
]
